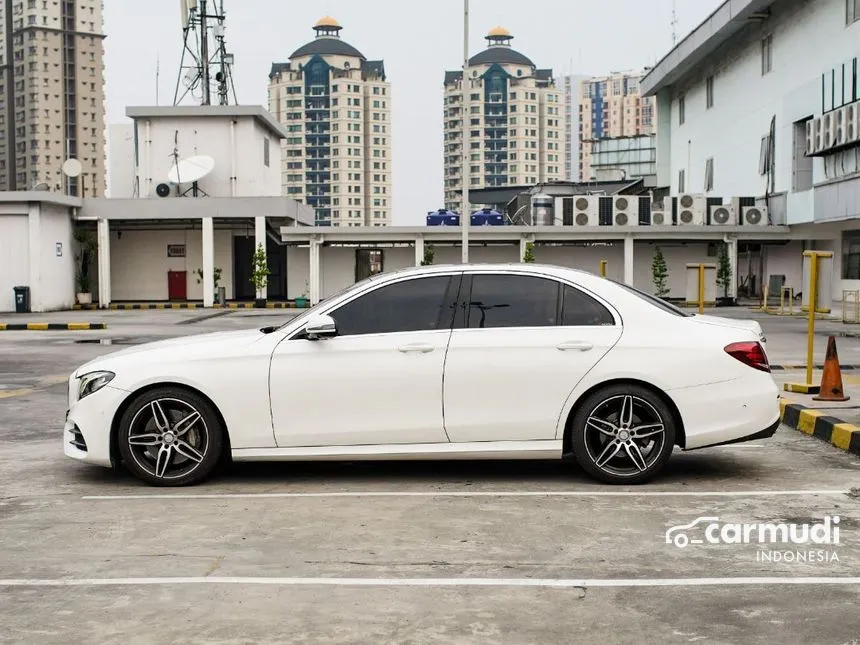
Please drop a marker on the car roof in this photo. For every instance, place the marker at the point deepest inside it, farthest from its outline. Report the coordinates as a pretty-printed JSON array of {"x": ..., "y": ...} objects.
[{"x": 516, "y": 267}]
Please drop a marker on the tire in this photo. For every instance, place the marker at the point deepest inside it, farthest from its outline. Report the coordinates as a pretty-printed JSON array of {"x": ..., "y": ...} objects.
[
  {"x": 170, "y": 436},
  {"x": 628, "y": 450}
]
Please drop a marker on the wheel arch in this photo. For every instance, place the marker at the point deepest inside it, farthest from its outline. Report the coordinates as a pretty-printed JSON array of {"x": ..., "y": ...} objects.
[
  {"x": 681, "y": 435},
  {"x": 115, "y": 456}
]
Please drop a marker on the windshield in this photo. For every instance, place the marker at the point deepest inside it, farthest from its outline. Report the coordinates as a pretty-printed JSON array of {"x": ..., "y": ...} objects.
[
  {"x": 654, "y": 300},
  {"x": 344, "y": 291}
]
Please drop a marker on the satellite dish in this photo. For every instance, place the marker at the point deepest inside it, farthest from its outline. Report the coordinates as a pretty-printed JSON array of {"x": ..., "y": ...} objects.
[
  {"x": 191, "y": 170},
  {"x": 72, "y": 168},
  {"x": 162, "y": 190}
]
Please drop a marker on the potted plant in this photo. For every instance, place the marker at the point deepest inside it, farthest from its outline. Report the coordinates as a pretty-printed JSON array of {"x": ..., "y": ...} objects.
[
  {"x": 259, "y": 274},
  {"x": 529, "y": 255},
  {"x": 724, "y": 275},
  {"x": 87, "y": 248},
  {"x": 216, "y": 274},
  {"x": 659, "y": 274},
  {"x": 303, "y": 300}
]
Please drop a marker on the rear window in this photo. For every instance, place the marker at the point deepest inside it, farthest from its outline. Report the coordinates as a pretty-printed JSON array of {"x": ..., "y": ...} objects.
[{"x": 654, "y": 300}]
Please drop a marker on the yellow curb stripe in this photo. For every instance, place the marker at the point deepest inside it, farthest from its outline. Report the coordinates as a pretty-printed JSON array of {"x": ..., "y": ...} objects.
[
  {"x": 842, "y": 433},
  {"x": 37, "y": 326},
  {"x": 806, "y": 420},
  {"x": 78, "y": 326}
]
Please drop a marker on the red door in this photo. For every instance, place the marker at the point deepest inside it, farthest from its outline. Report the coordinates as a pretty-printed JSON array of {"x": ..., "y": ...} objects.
[{"x": 176, "y": 285}]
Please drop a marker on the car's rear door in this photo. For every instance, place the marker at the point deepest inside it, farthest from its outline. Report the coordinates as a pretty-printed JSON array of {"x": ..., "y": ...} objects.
[{"x": 520, "y": 345}]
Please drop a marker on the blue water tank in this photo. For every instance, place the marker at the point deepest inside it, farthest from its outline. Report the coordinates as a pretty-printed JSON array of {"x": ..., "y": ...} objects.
[
  {"x": 487, "y": 217},
  {"x": 443, "y": 217}
]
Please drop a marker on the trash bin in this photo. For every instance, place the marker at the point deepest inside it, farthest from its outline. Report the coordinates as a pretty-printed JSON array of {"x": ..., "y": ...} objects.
[
  {"x": 22, "y": 300},
  {"x": 222, "y": 295}
]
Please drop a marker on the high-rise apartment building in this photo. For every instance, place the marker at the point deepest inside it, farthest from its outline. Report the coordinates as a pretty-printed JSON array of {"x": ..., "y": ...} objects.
[
  {"x": 52, "y": 100},
  {"x": 571, "y": 87},
  {"x": 336, "y": 107},
  {"x": 611, "y": 107},
  {"x": 515, "y": 127}
]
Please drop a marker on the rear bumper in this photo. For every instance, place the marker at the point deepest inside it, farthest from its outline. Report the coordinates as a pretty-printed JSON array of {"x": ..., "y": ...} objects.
[{"x": 742, "y": 409}]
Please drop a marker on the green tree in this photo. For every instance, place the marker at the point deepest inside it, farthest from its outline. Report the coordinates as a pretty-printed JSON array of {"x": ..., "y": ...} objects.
[
  {"x": 259, "y": 270},
  {"x": 529, "y": 255},
  {"x": 724, "y": 269},
  {"x": 660, "y": 273},
  {"x": 429, "y": 255}
]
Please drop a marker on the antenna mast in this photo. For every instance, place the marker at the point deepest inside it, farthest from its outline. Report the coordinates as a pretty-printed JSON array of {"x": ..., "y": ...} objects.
[
  {"x": 674, "y": 23},
  {"x": 204, "y": 54}
]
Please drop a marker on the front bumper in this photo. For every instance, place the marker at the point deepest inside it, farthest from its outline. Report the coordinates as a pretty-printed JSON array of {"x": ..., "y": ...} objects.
[{"x": 86, "y": 434}]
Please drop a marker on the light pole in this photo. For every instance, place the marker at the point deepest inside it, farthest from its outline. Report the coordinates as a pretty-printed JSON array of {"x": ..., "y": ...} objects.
[{"x": 465, "y": 211}]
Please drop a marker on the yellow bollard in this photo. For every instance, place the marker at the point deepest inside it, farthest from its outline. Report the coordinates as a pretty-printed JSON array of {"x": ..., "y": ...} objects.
[
  {"x": 603, "y": 268},
  {"x": 810, "y": 327},
  {"x": 701, "y": 288}
]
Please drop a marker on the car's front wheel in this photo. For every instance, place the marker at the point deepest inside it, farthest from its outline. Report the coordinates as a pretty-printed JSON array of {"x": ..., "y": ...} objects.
[
  {"x": 170, "y": 437},
  {"x": 623, "y": 434}
]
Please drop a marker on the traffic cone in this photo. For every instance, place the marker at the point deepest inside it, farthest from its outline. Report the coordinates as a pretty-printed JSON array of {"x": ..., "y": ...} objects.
[{"x": 831, "y": 379}]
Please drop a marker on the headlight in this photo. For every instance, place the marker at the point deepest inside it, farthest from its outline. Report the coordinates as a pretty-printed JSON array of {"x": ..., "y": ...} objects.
[{"x": 93, "y": 382}]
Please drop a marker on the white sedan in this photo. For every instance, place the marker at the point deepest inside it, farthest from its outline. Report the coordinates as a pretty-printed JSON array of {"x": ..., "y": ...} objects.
[{"x": 518, "y": 361}]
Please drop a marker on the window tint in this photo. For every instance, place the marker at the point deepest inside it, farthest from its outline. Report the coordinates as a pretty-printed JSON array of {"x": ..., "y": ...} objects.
[
  {"x": 411, "y": 305},
  {"x": 513, "y": 301},
  {"x": 581, "y": 310},
  {"x": 654, "y": 300}
]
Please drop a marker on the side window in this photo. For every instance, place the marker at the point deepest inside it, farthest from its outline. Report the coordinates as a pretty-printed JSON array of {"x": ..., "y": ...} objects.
[
  {"x": 513, "y": 301},
  {"x": 411, "y": 305},
  {"x": 581, "y": 310}
]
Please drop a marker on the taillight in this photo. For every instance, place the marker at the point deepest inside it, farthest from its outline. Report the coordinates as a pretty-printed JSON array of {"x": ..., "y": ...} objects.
[{"x": 751, "y": 353}]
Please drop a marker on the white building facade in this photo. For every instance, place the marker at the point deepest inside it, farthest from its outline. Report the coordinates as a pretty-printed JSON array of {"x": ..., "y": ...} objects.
[
  {"x": 515, "y": 122},
  {"x": 335, "y": 105},
  {"x": 734, "y": 103}
]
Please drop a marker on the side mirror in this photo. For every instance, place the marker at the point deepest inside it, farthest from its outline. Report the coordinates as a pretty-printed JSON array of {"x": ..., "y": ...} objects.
[{"x": 321, "y": 326}]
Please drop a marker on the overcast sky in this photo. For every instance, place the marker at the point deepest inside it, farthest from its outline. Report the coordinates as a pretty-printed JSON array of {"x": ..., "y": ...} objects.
[{"x": 418, "y": 40}]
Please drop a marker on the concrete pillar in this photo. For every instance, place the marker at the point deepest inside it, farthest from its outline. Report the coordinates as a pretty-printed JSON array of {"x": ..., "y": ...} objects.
[
  {"x": 260, "y": 238},
  {"x": 104, "y": 294},
  {"x": 208, "y": 262},
  {"x": 524, "y": 240},
  {"x": 35, "y": 243},
  {"x": 314, "y": 273},
  {"x": 419, "y": 250},
  {"x": 733, "y": 263},
  {"x": 628, "y": 261}
]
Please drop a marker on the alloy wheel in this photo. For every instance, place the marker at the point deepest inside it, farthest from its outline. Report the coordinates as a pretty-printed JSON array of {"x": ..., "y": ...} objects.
[
  {"x": 624, "y": 435},
  {"x": 168, "y": 438}
]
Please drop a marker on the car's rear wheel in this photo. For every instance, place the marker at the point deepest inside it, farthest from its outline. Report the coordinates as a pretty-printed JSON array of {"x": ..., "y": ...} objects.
[
  {"x": 170, "y": 437},
  {"x": 623, "y": 434}
]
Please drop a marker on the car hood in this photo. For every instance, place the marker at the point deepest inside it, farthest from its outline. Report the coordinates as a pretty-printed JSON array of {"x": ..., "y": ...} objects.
[
  {"x": 749, "y": 325},
  {"x": 177, "y": 348}
]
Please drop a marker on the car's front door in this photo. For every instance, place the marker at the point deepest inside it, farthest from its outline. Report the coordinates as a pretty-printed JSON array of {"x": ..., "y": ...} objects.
[
  {"x": 379, "y": 380},
  {"x": 524, "y": 343}
]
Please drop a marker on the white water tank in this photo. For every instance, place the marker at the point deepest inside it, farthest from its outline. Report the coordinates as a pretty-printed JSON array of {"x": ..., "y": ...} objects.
[{"x": 543, "y": 210}]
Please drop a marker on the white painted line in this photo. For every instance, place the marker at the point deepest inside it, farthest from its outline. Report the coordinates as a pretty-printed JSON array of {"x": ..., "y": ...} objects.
[
  {"x": 547, "y": 493},
  {"x": 436, "y": 582}
]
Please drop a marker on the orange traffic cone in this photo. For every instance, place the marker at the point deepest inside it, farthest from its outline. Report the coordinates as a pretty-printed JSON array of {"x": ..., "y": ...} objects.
[{"x": 831, "y": 379}]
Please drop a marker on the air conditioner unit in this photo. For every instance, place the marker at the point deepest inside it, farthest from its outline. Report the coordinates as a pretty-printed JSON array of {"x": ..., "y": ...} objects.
[
  {"x": 691, "y": 210},
  {"x": 585, "y": 211},
  {"x": 661, "y": 212},
  {"x": 852, "y": 122},
  {"x": 811, "y": 137},
  {"x": 840, "y": 125},
  {"x": 818, "y": 125},
  {"x": 625, "y": 211},
  {"x": 828, "y": 136},
  {"x": 754, "y": 216},
  {"x": 724, "y": 215}
]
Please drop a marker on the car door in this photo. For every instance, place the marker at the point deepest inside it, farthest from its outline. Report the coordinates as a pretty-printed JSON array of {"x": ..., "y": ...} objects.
[
  {"x": 379, "y": 380},
  {"x": 520, "y": 346}
]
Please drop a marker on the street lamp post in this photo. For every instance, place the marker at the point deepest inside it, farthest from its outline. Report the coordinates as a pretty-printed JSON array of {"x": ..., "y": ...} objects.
[{"x": 465, "y": 219}]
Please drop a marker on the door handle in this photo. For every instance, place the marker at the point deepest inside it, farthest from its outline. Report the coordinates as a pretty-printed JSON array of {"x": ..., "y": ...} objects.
[
  {"x": 580, "y": 345},
  {"x": 418, "y": 347}
]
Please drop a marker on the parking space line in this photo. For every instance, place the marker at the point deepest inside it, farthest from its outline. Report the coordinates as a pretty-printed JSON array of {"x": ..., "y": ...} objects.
[
  {"x": 547, "y": 493},
  {"x": 437, "y": 582}
]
